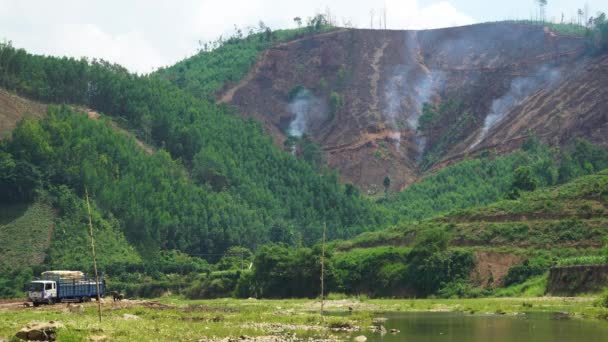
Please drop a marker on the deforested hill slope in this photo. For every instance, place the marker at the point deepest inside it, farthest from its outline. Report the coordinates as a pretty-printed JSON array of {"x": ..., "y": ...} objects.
[
  {"x": 397, "y": 103},
  {"x": 14, "y": 108}
]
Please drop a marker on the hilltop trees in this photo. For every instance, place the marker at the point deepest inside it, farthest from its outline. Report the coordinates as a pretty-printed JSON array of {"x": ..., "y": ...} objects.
[
  {"x": 598, "y": 35},
  {"x": 228, "y": 60},
  {"x": 542, "y": 4}
]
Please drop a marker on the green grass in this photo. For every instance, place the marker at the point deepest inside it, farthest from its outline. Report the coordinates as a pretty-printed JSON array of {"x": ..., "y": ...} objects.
[
  {"x": 182, "y": 320},
  {"x": 582, "y": 260},
  {"x": 533, "y": 287},
  {"x": 24, "y": 234},
  {"x": 177, "y": 319}
]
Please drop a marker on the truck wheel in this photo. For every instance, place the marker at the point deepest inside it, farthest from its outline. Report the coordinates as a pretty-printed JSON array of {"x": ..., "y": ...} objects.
[
  {"x": 51, "y": 301},
  {"x": 86, "y": 299},
  {"x": 36, "y": 304}
]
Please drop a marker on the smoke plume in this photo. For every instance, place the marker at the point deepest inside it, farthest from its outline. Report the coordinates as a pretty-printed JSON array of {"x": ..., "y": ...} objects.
[
  {"x": 308, "y": 112},
  {"x": 411, "y": 85},
  {"x": 521, "y": 88}
]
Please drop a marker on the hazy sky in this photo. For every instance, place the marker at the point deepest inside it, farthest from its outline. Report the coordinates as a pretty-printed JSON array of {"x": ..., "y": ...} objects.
[{"x": 145, "y": 34}]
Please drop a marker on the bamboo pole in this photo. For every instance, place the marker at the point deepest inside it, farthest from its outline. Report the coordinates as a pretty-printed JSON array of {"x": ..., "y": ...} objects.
[
  {"x": 323, "y": 270},
  {"x": 93, "y": 252}
]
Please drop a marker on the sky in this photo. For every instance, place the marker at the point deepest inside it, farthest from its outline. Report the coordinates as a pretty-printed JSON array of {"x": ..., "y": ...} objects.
[{"x": 143, "y": 35}]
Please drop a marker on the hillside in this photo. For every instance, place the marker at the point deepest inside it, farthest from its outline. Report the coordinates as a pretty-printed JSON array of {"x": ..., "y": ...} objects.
[
  {"x": 211, "y": 181},
  {"x": 397, "y": 103},
  {"x": 501, "y": 249},
  {"x": 581, "y": 204},
  {"x": 541, "y": 226},
  {"x": 25, "y": 235},
  {"x": 14, "y": 108},
  {"x": 187, "y": 186}
]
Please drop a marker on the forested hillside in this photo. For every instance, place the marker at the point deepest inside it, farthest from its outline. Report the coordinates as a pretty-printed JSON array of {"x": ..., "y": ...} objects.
[
  {"x": 220, "y": 182},
  {"x": 503, "y": 249},
  {"x": 490, "y": 177}
]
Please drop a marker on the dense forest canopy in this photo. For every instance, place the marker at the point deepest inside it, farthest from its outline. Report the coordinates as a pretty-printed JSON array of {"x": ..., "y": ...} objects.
[{"x": 220, "y": 174}]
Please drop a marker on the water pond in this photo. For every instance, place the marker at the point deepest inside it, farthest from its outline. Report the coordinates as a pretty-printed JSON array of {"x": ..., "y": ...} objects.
[{"x": 445, "y": 326}]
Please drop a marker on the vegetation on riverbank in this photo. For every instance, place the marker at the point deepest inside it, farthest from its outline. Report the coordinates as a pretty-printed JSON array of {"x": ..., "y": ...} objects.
[{"x": 171, "y": 318}]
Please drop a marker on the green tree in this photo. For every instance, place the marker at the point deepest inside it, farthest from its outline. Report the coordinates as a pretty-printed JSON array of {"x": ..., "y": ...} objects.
[
  {"x": 387, "y": 183},
  {"x": 523, "y": 179},
  {"x": 335, "y": 103}
]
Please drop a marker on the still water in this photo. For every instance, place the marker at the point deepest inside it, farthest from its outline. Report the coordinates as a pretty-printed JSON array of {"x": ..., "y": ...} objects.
[{"x": 448, "y": 327}]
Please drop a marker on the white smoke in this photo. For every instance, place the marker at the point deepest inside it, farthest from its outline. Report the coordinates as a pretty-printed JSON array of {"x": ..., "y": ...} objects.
[
  {"x": 308, "y": 112},
  {"x": 408, "y": 89},
  {"x": 406, "y": 92},
  {"x": 521, "y": 88}
]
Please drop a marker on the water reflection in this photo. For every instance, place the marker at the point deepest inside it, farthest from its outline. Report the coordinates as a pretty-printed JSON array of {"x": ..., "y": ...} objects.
[{"x": 448, "y": 327}]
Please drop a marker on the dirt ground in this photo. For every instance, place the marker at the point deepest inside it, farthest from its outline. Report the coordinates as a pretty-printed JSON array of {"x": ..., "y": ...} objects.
[
  {"x": 492, "y": 267},
  {"x": 107, "y": 303},
  {"x": 13, "y": 108}
]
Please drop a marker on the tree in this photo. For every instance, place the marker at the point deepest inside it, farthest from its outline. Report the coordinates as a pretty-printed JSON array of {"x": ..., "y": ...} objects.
[
  {"x": 317, "y": 22},
  {"x": 298, "y": 21},
  {"x": 580, "y": 15},
  {"x": 371, "y": 18},
  {"x": 541, "y": 9},
  {"x": 336, "y": 101},
  {"x": 384, "y": 16},
  {"x": 386, "y": 183},
  {"x": 522, "y": 181}
]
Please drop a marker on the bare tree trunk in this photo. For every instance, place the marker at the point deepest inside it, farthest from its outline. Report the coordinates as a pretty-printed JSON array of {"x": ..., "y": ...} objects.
[
  {"x": 93, "y": 252},
  {"x": 323, "y": 270},
  {"x": 371, "y": 20},
  {"x": 384, "y": 15}
]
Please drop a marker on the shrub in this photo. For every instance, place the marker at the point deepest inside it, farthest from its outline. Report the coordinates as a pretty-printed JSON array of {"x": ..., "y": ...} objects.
[
  {"x": 296, "y": 91},
  {"x": 603, "y": 300},
  {"x": 528, "y": 268},
  {"x": 461, "y": 289},
  {"x": 336, "y": 101},
  {"x": 245, "y": 286},
  {"x": 217, "y": 284}
]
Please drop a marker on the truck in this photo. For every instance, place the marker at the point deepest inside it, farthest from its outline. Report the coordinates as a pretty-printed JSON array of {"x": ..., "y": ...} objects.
[{"x": 64, "y": 286}]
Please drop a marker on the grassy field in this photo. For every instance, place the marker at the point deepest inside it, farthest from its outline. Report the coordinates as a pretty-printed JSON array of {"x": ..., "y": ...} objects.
[{"x": 176, "y": 319}]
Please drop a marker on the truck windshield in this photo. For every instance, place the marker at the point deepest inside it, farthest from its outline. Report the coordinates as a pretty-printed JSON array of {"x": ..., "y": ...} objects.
[{"x": 37, "y": 287}]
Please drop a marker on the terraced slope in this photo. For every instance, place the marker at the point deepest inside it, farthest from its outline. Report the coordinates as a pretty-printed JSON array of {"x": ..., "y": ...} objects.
[{"x": 572, "y": 219}]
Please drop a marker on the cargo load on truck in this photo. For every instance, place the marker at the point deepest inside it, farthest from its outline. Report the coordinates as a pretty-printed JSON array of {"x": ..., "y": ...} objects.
[
  {"x": 64, "y": 286},
  {"x": 63, "y": 274}
]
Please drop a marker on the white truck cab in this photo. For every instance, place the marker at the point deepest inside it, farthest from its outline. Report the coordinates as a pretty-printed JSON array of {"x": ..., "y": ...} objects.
[{"x": 42, "y": 291}]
